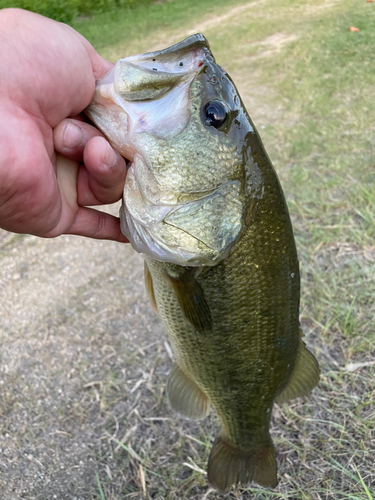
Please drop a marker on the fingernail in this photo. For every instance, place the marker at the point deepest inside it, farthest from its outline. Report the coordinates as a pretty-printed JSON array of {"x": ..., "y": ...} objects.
[
  {"x": 72, "y": 136},
  {"x": 110, "y": 157}
]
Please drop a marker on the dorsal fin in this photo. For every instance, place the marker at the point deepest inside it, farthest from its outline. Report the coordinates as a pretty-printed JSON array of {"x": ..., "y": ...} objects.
[{"x": 304, "y": 377}]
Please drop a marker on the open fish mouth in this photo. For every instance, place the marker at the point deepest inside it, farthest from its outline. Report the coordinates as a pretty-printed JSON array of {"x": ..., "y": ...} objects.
[
  {"x": 143, "y": 104},
  {"x": 148, "y": 92}
]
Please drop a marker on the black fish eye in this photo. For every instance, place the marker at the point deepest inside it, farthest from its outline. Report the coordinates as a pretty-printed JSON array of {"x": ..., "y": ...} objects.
[{"x": 215, "y": 113}]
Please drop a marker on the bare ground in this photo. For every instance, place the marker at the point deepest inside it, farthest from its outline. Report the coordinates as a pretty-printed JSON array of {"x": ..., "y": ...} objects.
[{"x": 74, "y": 318}]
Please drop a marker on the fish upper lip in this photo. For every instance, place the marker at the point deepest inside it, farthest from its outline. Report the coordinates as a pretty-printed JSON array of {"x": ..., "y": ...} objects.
[{"x": 193, "y": 42}]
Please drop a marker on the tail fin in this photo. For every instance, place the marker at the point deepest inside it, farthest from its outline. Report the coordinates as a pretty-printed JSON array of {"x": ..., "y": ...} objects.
[{"x": 230, "y": 465}]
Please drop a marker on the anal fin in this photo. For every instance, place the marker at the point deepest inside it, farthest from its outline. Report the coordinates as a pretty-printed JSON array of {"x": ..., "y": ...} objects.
[
  {"x": 304, "y": 377},
  {"x": 185, "y": 397}
]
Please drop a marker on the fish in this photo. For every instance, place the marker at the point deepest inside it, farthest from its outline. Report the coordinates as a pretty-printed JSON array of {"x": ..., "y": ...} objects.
[{"x": 203, "y": 204}]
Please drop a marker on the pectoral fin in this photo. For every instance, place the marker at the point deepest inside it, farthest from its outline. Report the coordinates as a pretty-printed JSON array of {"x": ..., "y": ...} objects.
[
  {"x": 304, "y": 377},
  {"x": 192, "y": 301},
  {"x": 185, "y": 397}
]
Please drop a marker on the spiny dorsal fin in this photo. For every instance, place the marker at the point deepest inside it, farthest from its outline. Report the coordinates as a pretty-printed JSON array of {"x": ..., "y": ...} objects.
[
  {"x": 150, "y": 288},
  {"x": 185, "y": 397},
  {"x": 192, "y": 301},
  {"x": 304, "y": 377}
]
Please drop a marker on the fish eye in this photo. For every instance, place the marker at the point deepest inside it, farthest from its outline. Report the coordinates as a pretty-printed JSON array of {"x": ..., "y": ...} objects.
[{"x": 214, "y": 114}]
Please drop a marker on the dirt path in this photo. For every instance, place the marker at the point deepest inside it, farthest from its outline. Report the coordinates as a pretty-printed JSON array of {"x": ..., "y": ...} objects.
[{"x": 73, "y": 313}]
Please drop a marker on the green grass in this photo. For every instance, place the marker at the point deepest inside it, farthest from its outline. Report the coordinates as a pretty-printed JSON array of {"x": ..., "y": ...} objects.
[
  {"x": 100, "y": 489},
  {"x": 311, "y": 89},
  {"x": 142, "y": 26}
]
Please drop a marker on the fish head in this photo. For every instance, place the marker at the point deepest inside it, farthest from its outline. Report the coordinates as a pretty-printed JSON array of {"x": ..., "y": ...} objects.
[{"x": 177, "y": 116}]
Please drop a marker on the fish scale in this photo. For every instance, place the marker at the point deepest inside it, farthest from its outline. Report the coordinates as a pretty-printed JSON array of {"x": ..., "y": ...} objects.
[
  {"x": 254, "y": 304},
  {"x": 242, "y": 321}
]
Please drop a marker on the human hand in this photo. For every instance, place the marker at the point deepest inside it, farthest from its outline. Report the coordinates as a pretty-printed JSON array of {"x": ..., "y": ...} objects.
[{"x": 48, "y": 74}]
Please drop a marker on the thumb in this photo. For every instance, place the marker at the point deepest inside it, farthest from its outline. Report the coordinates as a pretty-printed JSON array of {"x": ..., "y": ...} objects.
[{"x": 100, "y": 66}]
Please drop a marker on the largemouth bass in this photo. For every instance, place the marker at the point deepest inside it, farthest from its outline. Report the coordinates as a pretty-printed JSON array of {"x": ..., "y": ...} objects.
[{"x": 204, "y": 204}]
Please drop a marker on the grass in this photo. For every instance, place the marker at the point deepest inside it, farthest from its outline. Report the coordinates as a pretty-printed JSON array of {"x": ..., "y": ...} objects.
[
  {"x": 308, "y": 82},
  {"x": 141, "y": 27},
  {"x": 101, "y": 493}
]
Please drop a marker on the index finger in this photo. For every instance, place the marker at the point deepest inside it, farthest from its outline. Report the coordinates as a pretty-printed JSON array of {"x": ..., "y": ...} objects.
[{"x": 71, "y": 135}]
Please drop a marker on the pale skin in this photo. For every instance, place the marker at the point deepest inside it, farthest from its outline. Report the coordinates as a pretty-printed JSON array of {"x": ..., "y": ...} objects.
[{"x": 53, "y": 165}]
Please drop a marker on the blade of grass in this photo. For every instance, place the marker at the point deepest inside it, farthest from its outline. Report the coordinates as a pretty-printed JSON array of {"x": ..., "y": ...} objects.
[
  {"x": 102, "y": 497},
  {"x": 369, "y": 496}
]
